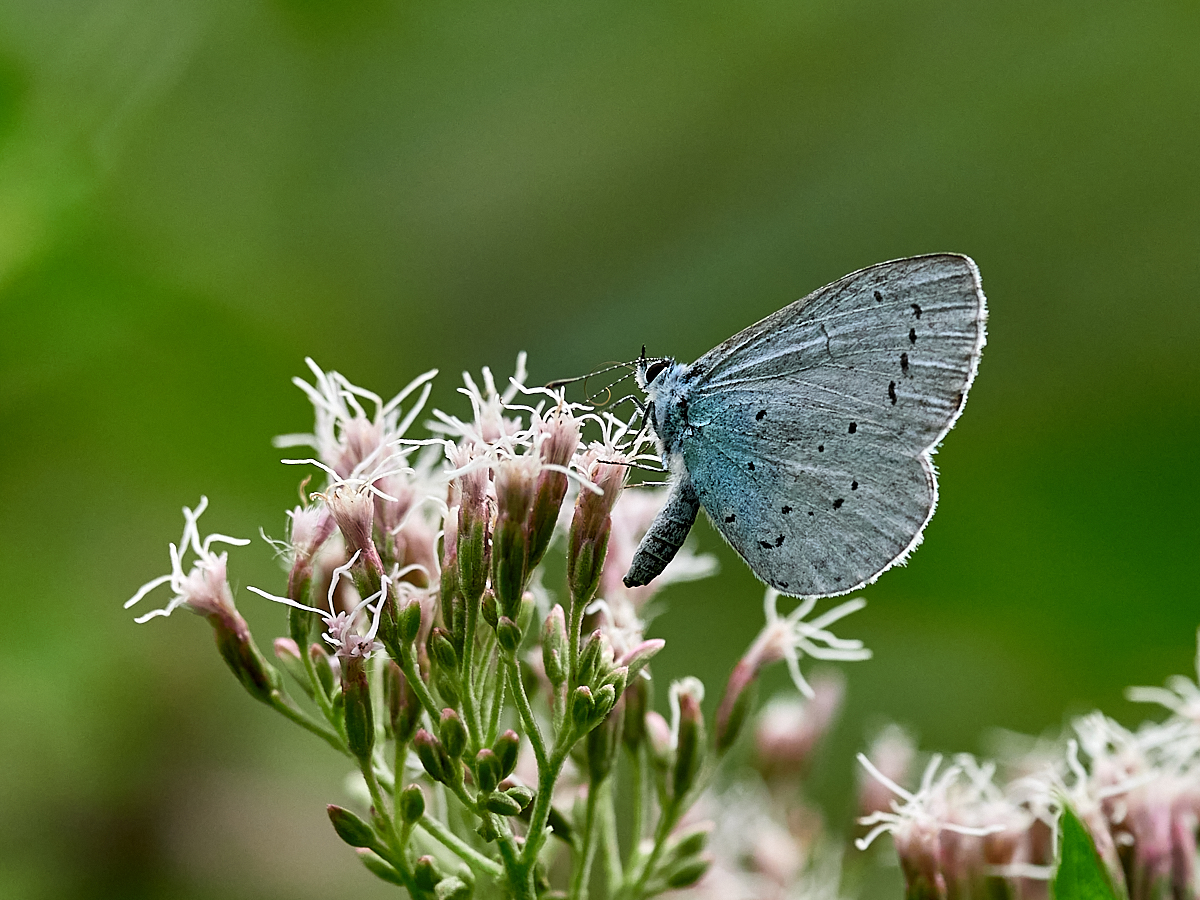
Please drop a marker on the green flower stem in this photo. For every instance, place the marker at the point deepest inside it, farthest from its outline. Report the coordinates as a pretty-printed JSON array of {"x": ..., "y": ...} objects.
[
  {"x": 508, "y": 851},
  {"x": 281, "y": 703},
  {"x": 493, "y": 730},
  {"x": 400, "y": 758},
  {"x": 408, "y": 666},
  {"x": 670, "y": 814},
  {"x": 470, "y": 708},
  {"x": 637, "y": 759},
  {"x": 586, "y": 851},
  {"x": 318, "y": 690},
  {"x": 608, "y": 825},
  {"x": 526, "y": 711},
  {"x": 573, "y": 627},
  {"x": 547, "y": 778},
  {"x": 394, "y": 853},
  {"x": 479, "y": 863}
]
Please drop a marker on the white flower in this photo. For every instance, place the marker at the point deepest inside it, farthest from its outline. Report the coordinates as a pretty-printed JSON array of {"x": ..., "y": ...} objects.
[
  {"x": 204, "y": 588},
  {"x": 490, "y": 426},
  {"x": 791, "y": 637},
  {"x": 341, "y": 628},
  {"x": 347, "y": 440},
  {"x": 1181, "y": 695}
]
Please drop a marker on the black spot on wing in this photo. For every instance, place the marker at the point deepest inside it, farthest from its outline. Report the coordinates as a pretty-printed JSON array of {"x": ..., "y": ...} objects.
[
  {"x": 810, "y": 512},
  {"x": 917, "y": 309},
  {"x": 750, "y": 466},
  {"x": 878, "y": 297},
  {"x": 853, "y": 427},
  {"x": 820, "y": 448},
  {"x": 731, "y": 518},
  {"x": 786, "y": 510},
  {"x": 779, "y": 541},
  {"x": 760, "y": 415},
  {"x": 837, "y": 504},
  {"x": 904, "y": 363},
  {"x": 912, "y": 335},
  {"x": 854, "y": 485},
  {"x": 892, "y": 392},
  {"x": 766, "y": 545}
]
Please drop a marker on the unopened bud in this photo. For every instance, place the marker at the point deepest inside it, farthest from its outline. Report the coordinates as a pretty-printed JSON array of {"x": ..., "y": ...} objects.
[
  {"x": 426, "y": 874},
  {"x": 447, "y": 686},
  {"x": 236, "y": 647},
  {"x": 473, "y": 544},
  {"x": 510, "y": 542},
  {"x": 508, "y": 633},
  {"x": 359, "y": 717},
  {"x": 589, "y": 657},
  {"x": 489, "y": 610},
  {"x": 487, "y": 831},
  {"x": 637, "y": 698},
  {"x": 583, "y": 707},
  {"x": 688, "y": 841},
  {"x": 687, "y": 872},
  {"x": 689, "y": 745},
  {"x": 409, "y": 624},
  {"x": 618, "y": 678},
  {"x": 636, "y": 658},
  {"x": 442, "y": 649},
  {"x": 789, "y": 730},
  {"x": 736, "y": 702},
  {"x": 554, "y": 646},
  {"x": 520, "y": 793},
  {"x": 412, "y": 803},
  {"x": 452, "y": 888},
  {"x": 453, "y": 733},
  {"x": 502, "y": 805},
  {"x": 585, "y": 559},
  {"x": 488, "y": 770},
  {"x": 326, "y": 667},
  {"x": 658, "y": 739},
  {"x": 301, "y": 624},
  {"x": 289, "y": 657},
  {"x": 350, "y": 828},
  {"x": 380, "y": 868},
  {"x": 602, "y": 746},
  {"x": 507, "y": 748},
  {"x": 403, "y": 705},
  {"x": 433, "y": 757}
]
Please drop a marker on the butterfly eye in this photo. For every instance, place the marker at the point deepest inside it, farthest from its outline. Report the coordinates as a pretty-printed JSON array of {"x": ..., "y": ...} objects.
[{"x": 655, "y": 369}]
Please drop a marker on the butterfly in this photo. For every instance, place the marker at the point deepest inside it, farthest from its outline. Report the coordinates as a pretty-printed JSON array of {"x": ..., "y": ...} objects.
[{"x": 807, "y": 438}]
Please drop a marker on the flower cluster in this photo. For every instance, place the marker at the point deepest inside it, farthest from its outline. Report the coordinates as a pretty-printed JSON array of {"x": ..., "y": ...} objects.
[
  {"x": 1136, "y": 792},
  {"x": 428, "y": 649}
]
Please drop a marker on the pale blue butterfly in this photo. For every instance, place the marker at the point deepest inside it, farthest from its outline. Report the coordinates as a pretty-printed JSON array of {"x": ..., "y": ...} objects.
[{"x": 807, "y": 437}]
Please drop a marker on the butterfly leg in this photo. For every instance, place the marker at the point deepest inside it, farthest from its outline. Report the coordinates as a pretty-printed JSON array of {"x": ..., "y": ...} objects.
[{"x": 666, "y": 535}]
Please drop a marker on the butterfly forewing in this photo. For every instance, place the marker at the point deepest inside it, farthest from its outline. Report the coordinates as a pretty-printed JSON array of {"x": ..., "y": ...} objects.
[{"x": 810, "y": 432}]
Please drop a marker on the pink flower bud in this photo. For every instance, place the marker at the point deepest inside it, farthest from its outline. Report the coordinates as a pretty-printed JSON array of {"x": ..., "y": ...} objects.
[
  {"x": 354, "y": 511},
  {"x": 789, "y": 730},
  {"x": 510, "y": 542}
]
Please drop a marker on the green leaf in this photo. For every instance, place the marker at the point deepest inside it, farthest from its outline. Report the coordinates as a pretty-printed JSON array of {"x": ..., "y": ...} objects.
[{"x": 1081, "y": 874}]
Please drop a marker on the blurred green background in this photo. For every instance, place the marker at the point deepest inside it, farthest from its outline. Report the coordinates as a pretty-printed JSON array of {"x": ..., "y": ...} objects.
[{"x": 196, "y": 195}]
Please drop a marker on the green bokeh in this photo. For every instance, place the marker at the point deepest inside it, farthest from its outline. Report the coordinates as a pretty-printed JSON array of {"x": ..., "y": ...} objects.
[{"x": 196, "y": 195}]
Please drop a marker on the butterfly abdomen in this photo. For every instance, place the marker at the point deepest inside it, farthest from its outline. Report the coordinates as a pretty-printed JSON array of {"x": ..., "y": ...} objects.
[{"x": 666, "y": 534}]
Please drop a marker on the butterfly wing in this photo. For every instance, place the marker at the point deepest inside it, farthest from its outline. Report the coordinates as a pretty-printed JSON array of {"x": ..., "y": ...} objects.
[{"x": 809, "y": 434}]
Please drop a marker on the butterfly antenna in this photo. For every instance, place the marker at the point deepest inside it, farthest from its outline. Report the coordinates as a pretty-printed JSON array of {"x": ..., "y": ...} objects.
[
  {"x": 563, "y": 382},
  {"x": 608, "y": 391}
]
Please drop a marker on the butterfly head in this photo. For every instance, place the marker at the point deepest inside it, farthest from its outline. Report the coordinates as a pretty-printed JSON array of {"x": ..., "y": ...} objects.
[{"x": 650, "y": 368}]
